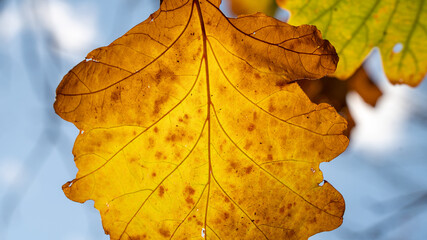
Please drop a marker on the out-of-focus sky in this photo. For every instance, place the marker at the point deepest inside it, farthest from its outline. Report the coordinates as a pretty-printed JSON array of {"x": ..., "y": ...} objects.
[{"x": 382, "y": 175}]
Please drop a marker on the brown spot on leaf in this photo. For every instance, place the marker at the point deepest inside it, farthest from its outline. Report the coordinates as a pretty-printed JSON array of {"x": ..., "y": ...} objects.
[
  {"x": 161, "y": 191},
  {"x": 248, "y": 169},
  {"x": 257, "y": 76},
  {"x": 158, "y": 104},
  {"x": 138, "y": 237},
  {"x": 158, "y": 155},
  {"x": 115, "y": 95},
  {"x": 189, "y": 190},
  {"x": 271, "y": 108},
  {"x": 251, "y": 127},
  {"x": 178, "y": 135},
  {"x": 165, "y": 73},
  {"x": 151, "y": 142},
  {"x": 270, "y": 157},
  {"x": 184, "y": 119},
  {"x": 226, "y": 216},
  {"x": 108, "y": 136},
  {"x": 164, "y": 232},
  {"x": 233, "y": 165},
  {"x": 153, "y": 174},
  {"x": 158, "y": 76},
  {"x": 171, "y": 138},
  {"x": 290, "y": 234},
  {"x": 281, "y": 83},
  {"x": 189, "y": 200},
  {"x": 247, "y": 145},
  {"x": 282, "y": 210},
  {"x": 156, "y": 130},
  {"x": 279, "y": 164}
]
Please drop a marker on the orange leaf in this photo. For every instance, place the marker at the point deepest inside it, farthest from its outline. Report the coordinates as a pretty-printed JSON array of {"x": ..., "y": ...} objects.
[
  {"x": 192, "y": 126},
  {"x": 240, "y": 7}
]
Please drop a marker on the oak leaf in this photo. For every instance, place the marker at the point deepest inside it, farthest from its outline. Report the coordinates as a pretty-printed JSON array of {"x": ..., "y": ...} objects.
[
  {"x": 354, "y": 27},
  {"x": 241, "y": 7},
  {"x": 192, "y": 126},
  {"x": 328, "y": 89}
]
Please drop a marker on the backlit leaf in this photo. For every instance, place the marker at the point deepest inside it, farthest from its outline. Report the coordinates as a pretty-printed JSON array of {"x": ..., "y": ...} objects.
[
  {"x": 192, "y": 126},
  {"x": 241, "y": 7},
  {"x": 354, "y": 27}
]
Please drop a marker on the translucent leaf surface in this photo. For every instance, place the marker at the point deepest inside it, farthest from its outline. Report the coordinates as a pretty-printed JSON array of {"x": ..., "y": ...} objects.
[
  {"x": 192, "y": 126},
  {"x": 240, "y": 7}
]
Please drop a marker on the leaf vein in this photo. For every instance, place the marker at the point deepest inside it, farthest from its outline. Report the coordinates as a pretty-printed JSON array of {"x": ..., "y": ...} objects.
[
  {"x": 269, "y": 173},
  {"x": 265, "y": 42},
  {"x": 267, "y": 112},
  {"x": 145, "y": 130},
  {"x": 141, "y": 69},
  {"x": 411, "y": 33},
  {"x": 186, "y": 216},
  {"x": 164, "y": 179},
  {"x": 238, "y": 206}
]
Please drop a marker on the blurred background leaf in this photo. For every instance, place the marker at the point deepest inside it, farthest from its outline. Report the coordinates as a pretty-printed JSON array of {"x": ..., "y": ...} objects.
[{"x": 354, "y": 27}]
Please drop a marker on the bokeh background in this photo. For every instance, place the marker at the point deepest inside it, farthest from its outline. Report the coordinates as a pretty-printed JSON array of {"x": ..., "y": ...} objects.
[{"x": 382, "y": 175}]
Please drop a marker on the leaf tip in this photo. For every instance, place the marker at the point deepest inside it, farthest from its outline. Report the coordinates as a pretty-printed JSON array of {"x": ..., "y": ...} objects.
[{"x": 66, "y": 188}]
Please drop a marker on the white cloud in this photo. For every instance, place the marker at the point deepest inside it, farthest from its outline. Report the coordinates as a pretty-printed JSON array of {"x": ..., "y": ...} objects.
[
  {"x": 73, "y": 27},
  {"x": 10, "y": 172},
  {"x": 380, "y": 128},
  {"x": 10, "y": 23}
]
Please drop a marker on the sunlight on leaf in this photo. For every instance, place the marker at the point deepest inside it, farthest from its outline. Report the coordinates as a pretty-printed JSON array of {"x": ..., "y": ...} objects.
[
  {"x": 192, "y": 125},
  {"x": 398, "y": 28},
  {"x": 240, "y": 7}
]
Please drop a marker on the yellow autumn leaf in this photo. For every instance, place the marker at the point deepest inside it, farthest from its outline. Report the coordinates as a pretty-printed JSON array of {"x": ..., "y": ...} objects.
[
  {"x": 192, "y": 127},
  {"x": 240, "y": 7},
  {"x": 354, "y": 27}
]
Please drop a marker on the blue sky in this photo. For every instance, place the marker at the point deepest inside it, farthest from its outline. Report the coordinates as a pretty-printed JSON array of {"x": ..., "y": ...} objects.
[{"x": 380, "y": 175}]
